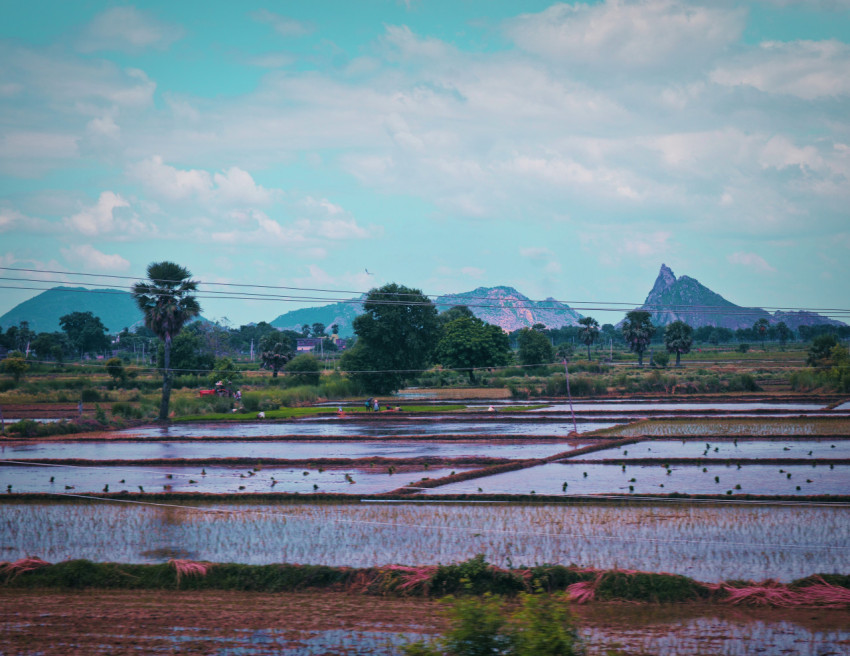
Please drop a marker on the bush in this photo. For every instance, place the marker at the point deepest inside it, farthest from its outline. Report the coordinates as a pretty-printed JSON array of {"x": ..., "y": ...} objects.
[
  {"x": 251, "y": 401},
  {"x": 126, "y": 410},
  {"x": 302, "y": 370},
  {"x": 661, "y": 359},
  {"x": 480, "y": 626},
  {"x": 90, "y": 395}
]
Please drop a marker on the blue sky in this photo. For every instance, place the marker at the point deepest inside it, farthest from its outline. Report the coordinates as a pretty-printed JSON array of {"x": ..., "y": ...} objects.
[{"x": 564, "y": 149}]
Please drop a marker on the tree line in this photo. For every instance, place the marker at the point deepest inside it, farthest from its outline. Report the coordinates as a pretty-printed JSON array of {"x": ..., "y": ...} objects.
[{"x": 400, "y": 334}]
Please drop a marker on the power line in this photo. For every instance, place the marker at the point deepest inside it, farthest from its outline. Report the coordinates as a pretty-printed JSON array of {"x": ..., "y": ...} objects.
[
  {"x": 588, "y": 305},
  {"x": 691, "y": 309}
]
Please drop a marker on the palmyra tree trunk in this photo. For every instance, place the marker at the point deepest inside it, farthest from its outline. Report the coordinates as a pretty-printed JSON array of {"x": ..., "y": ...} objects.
[{"x": 166, "y": 380}]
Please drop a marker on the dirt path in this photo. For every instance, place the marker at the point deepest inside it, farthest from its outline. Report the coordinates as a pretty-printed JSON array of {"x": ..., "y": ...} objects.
[{"x": 153, "y": 622}]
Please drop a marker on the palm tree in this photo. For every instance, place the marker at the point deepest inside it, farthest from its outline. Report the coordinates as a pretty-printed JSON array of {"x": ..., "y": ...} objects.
[
  {"x": 638, "y": 331},
  {"x": 589, "y": 332},
  {"x": 167, "y": 304}
]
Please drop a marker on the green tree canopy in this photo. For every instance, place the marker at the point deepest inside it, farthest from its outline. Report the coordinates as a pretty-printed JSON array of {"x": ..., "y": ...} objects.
[
  {"x": 821, "y": 350},
  {"x": 15, "y": 365},
  {"x": 468, "y": 342},
  {"x": 783, "y": 332},
  {"x": 454, "y": 312},
  {"x": 534, "y": 347},
  {"x": 760, "y": 330},
  {"x": 85, "y": 331},
  {"x": 637, "y": 331},
  {"x": 276, "y": 349},
  {"x": 189, "y": 355},
  {"x": 396, "y": 336},
  {"x": 115, "y": 368},
  {"x": 678, "y": 339},
  {"x": 589, "y": 332},
  {"x": 167, "y": 302},
  {"x": 303, "y": 369}
]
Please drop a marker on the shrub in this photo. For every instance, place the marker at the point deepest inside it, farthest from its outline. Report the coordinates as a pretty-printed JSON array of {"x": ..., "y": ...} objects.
[
  {"x": 90, "y": 395},
  {"x": 661, "y": 359},
  {"x": 303, "y": 369}
]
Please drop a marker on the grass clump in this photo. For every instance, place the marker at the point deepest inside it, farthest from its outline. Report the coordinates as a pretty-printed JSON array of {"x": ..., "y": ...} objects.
[{"x": 542, "y": 625}]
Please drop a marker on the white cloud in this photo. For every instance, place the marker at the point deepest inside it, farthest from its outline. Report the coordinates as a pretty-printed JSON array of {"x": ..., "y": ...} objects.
[
  {"x": 283, "y": 25},
  {"x": 237, "y": 187},
  {"x": 91, "y": 259},
  {"x": 127, "y": 29},
  {"x": 13, "y": 220},
  {"x": 473, "y": 272},
  {"x": 751, "y": 261},
  {"x": 806, "y": 69},
  {"x": 110, "y": 215},
  {"x": 536, "y": 253},
  {"x": 103, "y": 127},
  {"x": 644, "y": 246},
  {"x": 233, "y": 187},
  {"x": 403, "y": 42},
  {"x": 780, "y": 153},
  {"x": 169, "y": 182},
  {"x": 319, "y": 278},
  {"x": 630, "y": 35},
  {"x": 38, "y": 145}
]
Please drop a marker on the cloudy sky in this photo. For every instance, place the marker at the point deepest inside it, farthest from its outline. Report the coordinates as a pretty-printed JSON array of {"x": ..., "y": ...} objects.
[{"x": 564, "y": 149}]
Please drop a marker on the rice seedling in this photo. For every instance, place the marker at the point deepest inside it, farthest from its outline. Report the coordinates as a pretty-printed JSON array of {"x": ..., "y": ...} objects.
[{"x": 706, "y": 542}]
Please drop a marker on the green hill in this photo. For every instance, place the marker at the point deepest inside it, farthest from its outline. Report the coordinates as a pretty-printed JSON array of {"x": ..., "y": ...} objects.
[
  {"x": 115, "y": 308},
  {"x": 341, "y": 314}
]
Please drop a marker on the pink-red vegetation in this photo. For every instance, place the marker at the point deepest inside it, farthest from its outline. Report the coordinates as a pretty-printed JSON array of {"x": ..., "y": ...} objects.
[
  {"x": 771, "y": 593},
  {"x": 189, "y": 568},
  {"x": 22, "y": 565}
]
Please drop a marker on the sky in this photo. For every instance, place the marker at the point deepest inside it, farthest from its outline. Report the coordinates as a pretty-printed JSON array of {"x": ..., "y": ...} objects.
[{"x": 564, "y": 149}]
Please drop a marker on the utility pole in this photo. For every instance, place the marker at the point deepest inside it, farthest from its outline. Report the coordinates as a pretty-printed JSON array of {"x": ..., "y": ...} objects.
[
  {"x": 252, "y": 349},
  {"x": 570, "y": 396}
]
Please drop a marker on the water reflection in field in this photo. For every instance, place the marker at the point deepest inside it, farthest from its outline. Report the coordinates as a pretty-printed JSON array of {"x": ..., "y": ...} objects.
[
  {"x": 342, "y": 428},
  {"x": 210, "y": 479},
  {"x": 728, "y": 448},
  {"x": 707, "y": 542},
  {"x": 549, "y": 479},
  {"x": 285, "y": 450}
]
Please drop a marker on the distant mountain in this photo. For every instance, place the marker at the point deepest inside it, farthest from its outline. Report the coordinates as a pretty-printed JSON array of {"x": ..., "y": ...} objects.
[
  {"x": 686, "y": 299},
  {"x": 115, "y": 308},
  {"x": 341, "y": 314},
  {"x": 501, "y": 306},
  {"x": 507, "y": 308}
]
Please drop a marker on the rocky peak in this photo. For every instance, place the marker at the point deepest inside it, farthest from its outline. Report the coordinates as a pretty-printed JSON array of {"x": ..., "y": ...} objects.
[{"x": 663, "y": 282}]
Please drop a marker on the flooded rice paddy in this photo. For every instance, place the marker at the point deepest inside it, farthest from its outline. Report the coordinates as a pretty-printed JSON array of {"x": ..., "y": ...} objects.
[
  {"x": 691, "y": 408},
  {"x": 734, "y": 427},
  {"x": 300, "y": 450},
  {"x": 709, "y": 542},
  {"x": 814, "y": 449},
  {"x": 343, "y": 428},
  {"x": 549, "y": 479},
  {"x": 210, "y": 479}
]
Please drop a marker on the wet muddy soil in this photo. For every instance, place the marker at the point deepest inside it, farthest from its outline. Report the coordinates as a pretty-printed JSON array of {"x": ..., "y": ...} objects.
[{"x": 168, "y": 622}]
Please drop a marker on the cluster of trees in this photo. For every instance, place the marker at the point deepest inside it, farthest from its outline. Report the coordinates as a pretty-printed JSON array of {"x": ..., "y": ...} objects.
[{"x": 400, "y": 334}]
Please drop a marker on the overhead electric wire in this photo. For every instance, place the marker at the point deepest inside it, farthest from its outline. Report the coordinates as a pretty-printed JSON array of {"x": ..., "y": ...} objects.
[
  {"x": 585, "y": 305},
  {"x": 705, "y": 310}
]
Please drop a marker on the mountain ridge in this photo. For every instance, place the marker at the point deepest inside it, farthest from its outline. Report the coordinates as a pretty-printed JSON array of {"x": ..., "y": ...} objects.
[{"x": 686, "y": 299}]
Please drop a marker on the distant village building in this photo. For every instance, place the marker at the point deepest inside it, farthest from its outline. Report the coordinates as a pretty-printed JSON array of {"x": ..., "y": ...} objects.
[
  {"x": 310, "y": 344},
  {"x": 307, "y": 344}
]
